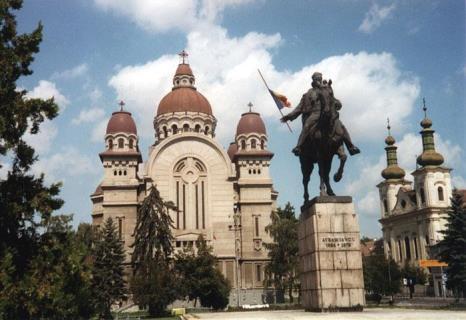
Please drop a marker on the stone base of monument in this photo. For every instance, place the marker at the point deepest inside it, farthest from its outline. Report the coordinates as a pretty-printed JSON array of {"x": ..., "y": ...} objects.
[{"x": 330, "y": 258}]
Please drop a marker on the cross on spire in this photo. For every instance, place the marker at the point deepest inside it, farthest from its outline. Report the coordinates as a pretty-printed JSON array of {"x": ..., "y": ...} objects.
[
  {"x": 184, "y": 56},
  {"x": 250, "y": 105},
  {"x": 424, "y": 107},
  {"x": 388, "y": 126},
  {"x": 121, "y": 103}
]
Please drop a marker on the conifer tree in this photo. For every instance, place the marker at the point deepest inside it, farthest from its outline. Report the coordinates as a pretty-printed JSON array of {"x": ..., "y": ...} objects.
[
  {"x": 281, "y": 272},
  {"x": 453, "y": 246},
  {"x": 108, "y": 284},
  {"x": 154, "y": 284}
]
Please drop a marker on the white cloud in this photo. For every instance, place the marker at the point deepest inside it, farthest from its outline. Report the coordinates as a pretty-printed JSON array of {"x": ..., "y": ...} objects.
[
  {"x": 72, "y": 73},
  {"x": 89, "y": 115},
  {"x": 369, "y": 204},
  {"x": 95, "y": 95},
  {"x": 98, "y": 133},
  {"x": 162, "y": 15},
  {"x": 46, "y": 90},
  {"x": 375, "y": 17},
  {"x": 69, "y": 162},
  {"x": 43, "y": 140},
  {"x": 458, "y": 182}
]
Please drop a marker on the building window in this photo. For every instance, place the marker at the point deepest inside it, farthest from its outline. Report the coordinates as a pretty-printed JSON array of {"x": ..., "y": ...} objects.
[
  {"x": 416, "y": 253},
  {"x": 403, "y": 204},
  {"x": 131, "y": 143},
  {"x": 206, "y": 130},
  {"x": 262, "y": 144},
  {"x": 174, "y": 129},
  {"x": 258, "y": 273},
  {"x": 385, "y": 206},
  {"x": 253, "y": 144},
  {"x": 197, "y": 128},
  {"x": 121, "y": 143},
  {"x": 408, "y": 248},
  {"x": 243, "y": 145},
  {"x": 440, "y": 194},
  {"x": 110, "y": 144},
  {"x": 423, "y": 196},
  {"x": 120, "y": 228},
  {"x": 427, "y": 240},
  {"x": 256, "y": 225},
  {"x": 400, "y": 251},
  {"x": 165, "y": 132},
  {"x": 186, "y": 127}
]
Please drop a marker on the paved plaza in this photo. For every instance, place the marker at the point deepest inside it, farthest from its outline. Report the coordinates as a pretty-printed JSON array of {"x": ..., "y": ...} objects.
[{"x": 368, "y": 314}]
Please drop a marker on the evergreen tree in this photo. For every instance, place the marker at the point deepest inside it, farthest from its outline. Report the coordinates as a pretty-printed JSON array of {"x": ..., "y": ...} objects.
[
  {"x": 108, "y": 284},
  {"x": 453, "y": 246},
  {"x": 282, "y": 270},
  {"x": 154, "y": 283},
  {"x": 200, "y": 278}
]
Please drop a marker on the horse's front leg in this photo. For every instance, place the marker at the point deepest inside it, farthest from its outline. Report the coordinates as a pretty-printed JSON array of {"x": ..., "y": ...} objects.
[
  {"x": 326, "y": 176},
  {"x": 306, "y": 170},
  {"x": 323, "y": 190},
  {"x": 342, "y": 156}
]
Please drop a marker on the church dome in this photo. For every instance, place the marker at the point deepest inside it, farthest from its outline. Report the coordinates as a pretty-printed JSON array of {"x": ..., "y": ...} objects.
[
  {"x": 232, "y": 149},
  {"x": 250, "y": 122},
  {"x": 184, "y": 69},
  {"x": 182, "y": 99},
  {"x": 121, "y": 121}
]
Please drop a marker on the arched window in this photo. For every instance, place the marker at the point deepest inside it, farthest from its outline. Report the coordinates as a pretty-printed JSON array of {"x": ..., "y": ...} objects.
[
  {"x": 416, "y": 253},
  {"x": 114, "y": 173},
  {"x": 174, "y": 129},
  {"x": 186, "y": 127},
  {"x": 243, "y": 145},
  {"x": 253, "y": 144},
  {"x": 440, "y": 194},
  {"x": 408, "y": 248},
  {"x": 121, "y": 143},
  {"x": 385, "y": 206},
  {"x": 131, "y": 143},
  {"x": 423, "y": 196},
  {"x": 206, "y": 130},
  {"x": 400, "y": 252},
  {"x": 110, "y": 144},
  {"x": 262, "y": 144},
  {"x": 119, "y": 173},
  {"x": 165, "y": 131},
  {"x": 197, "y": 128}
]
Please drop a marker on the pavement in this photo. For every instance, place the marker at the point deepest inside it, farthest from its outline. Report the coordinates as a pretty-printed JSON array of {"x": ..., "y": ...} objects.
[{"x": 367, "y": 314}]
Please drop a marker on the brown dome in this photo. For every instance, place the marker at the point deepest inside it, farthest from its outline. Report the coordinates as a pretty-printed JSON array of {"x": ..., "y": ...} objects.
[
  {"x": 232, "y": 149},
  {"x": 393, "y": 172},
  {"x": 183, "y": 69},
  {"x": 250, "y": 122},
  {"x": 121, "y": 121},
  {"x": 183, "y": 99}
]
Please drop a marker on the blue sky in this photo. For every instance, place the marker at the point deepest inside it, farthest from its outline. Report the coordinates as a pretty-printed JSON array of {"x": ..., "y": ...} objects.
[{"x": 383, "y": 57}]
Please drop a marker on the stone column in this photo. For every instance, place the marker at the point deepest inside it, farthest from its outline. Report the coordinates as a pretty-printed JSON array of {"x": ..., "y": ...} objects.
[{"x": 330, "y": 257}]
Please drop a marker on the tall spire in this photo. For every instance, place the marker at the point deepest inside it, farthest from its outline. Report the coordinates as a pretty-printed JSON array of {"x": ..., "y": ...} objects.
[
  {"x": 429, "y": 156},
  {"x": 392, "y": 171}
]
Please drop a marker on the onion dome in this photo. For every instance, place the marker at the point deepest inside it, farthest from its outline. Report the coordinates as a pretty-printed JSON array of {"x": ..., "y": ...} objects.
[
  {"x": 429, "y": 156},
  {"x": 232, "y": 149},
  {"x": 184, "y": 96},
  {"x": 392, "y": 171},
  {"x": 121, "y": 121},
  {"x": 250, "y": 122}
]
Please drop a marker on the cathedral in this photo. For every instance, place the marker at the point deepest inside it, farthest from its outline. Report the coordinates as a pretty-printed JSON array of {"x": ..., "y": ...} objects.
[
  {"x": 225, "y": 195},
  {"x": 414, "y": 213}
]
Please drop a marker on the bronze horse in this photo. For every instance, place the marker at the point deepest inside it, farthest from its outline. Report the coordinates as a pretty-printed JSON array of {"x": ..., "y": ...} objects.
[{"x": 320, "y": 150}]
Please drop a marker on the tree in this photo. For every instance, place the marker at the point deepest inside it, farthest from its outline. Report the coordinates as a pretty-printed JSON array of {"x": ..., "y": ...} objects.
[
  {"x": 200, "y": 278},
  {"x": 453, "y": 246},
  {"x": 381, "y": 276},
  {"x": 154, "y": 284},
  {"x": 108, "y": 284},
  {"x": 281, "y": 272}
]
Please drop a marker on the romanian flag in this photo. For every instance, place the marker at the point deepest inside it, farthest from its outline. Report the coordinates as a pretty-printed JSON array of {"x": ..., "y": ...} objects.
[{"x": 280, "y": 100}]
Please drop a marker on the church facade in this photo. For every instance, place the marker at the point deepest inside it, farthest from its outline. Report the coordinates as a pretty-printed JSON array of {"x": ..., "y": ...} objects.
[
  {"x": 225, "y": 195},
  {"x": 414, "y": 213}
]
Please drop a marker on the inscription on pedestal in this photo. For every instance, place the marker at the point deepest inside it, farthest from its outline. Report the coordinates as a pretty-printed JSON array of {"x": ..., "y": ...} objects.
[{"x": 336, "y": 242}]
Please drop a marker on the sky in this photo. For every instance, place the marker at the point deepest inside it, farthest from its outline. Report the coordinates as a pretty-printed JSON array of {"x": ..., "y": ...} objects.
[{"x": 382, "y": 56}]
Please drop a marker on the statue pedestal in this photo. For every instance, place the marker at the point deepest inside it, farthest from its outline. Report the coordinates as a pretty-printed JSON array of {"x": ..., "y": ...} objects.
[{"x": 330, "y": 257}]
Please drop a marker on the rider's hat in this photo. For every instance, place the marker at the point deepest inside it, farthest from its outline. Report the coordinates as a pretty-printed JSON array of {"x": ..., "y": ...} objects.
[{"x": 316, "y": 74}]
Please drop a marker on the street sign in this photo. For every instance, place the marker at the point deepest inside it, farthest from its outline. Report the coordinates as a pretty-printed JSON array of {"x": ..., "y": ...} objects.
[{"x": 432, "y": 263}]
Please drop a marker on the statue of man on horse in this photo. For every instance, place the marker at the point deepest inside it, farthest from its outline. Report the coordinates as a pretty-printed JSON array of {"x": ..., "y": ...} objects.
[{"x": 322, "y": 136}]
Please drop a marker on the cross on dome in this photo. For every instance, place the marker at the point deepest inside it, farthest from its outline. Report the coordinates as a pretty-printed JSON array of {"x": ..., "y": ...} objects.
[
  {"x": 250, "y": 105},
  {"x": 424, "y": 107},
  {"x": 388, "y": 126},
  {"x": 184, "y": 56},
  {"x": 121, "y": 104}
]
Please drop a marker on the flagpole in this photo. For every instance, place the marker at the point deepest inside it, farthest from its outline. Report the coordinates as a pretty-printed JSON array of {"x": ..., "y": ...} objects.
[{"x": 280, "y": 110}]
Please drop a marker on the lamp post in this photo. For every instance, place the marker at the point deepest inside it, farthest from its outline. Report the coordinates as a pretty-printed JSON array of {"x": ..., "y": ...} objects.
[{"x": 236, "y": 227}]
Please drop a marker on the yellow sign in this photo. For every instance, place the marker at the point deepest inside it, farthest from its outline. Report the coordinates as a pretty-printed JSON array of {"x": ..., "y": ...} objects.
[{"x": 432, "y": 263}]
